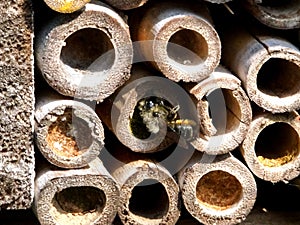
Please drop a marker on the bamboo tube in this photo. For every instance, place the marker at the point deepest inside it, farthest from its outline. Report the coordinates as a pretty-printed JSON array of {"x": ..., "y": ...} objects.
[
  {"x": 148, "y": 194},
  {"x": 69, "y": 133},
  {"x": 66, "y": 6},
  {"x": 118, "y": 112},
  {"x": 126, "y": 4},
  {"x": 269, "y": 68},
  {"x": 217, "y": 189},
  {"x": 179, "y": 40},
  {"x": 271, "y": 148},
  {"x": 87, "y": 54},
  {"x": 276, "y": 14},
  {"x": 82, "y": 196},
  {"x": 224, "y": 112},
  {"x": 218, "y": 1},
  {"x": 16, "y": 105}
]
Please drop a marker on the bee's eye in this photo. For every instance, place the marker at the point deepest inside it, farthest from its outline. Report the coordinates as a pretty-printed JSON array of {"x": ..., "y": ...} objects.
[{"x": 149, "y": 104}]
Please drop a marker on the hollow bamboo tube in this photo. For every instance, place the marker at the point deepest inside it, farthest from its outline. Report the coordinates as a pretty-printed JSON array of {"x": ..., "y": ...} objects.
[
  {"x": 16, "y": 105},
  {"x": 218, "y": 1},
  {"x": 268, "y": 66},
  {"x": 217, "y": 189},
  {"x": 126, "y": 4},
  {"x": 271, "y": 148},
  {"x": 224, "y": 112},
  {"x": 69, "y": 134},
  {"x": 82, "y": 196},
  {"x": 87, "y": 54},
  {"x": 117, "y": 112},
  {"x": 148, "y": 194},
  {"x": 179, "y": 40},
  {"x": 66, "y": 6},
  {"x": 276, "y": 14}
]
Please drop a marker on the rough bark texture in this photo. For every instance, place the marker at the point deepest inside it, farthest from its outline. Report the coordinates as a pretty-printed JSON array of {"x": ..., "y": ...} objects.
[
  {"x": 126, "y": 4},
  {"x": 268, "y": 66},
  {"x": 66, "y": 6},
  {"x": 179, "y": 40},
  {"x": 86, "y": 54},
  {"x": 16, "y": 102},
  {"x": 68, "y": 133},
  {"x": 224, "y": 112},
  {"x": 271, "y": 148},
  {"x": 83, "y": 196},
  {"x": 217, "y": 189},
  {"x": 276, "y": 14}
]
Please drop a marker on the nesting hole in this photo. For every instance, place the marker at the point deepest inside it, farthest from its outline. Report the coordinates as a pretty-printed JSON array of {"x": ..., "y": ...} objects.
[
  {"x": 224, "y": 110},
  {"x": 187, "y": 47},
  {"x": 149, "y": 200},
  {"x": 279, "y": 77},
  {"x": 277, "y": 145},
  {"x": 219, "y": 190},
  {"x": 88, "y": 49},
  {"x": 78, "y": 205},
  {"x": 69, "y": 136}
]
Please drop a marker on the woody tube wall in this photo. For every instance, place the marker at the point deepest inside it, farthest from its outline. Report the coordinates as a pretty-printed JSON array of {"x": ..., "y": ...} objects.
[
  {"x": 217, "y": 189},
  {"x": 16, "y": 105},
  {"x": 86, "y": 54},
  {"x": 179, "y": 40},
  {"x": 77, "y": 196},
  {"x": 224, "y": 112}
]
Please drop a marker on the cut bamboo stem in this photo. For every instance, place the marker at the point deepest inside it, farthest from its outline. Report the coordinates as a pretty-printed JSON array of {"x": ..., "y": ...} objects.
[
  {"x": 66, "y": 6},
  {"x": 271, "y": 148},
  {"x": 16, "y": 105},
  {"x": 276, "y": 14},
  {"x": 69, "y": 133},
  {"x": 269, "y": 68},
  {"x": 87, "y": 54},
  {"x": 224, "y": 112},
  {"x": 148, "y": 194},
  {"x": 118, "y": 112},
  {"x": 82, "y": 196},
  {"x": 126, "y": 4},
  {"x": 179, "y": 40},
  {"x": 217, "y": 189}
]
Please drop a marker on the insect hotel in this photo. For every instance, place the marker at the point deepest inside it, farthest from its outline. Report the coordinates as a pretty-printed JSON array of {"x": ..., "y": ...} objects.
[{"x": 148, "y": 113}]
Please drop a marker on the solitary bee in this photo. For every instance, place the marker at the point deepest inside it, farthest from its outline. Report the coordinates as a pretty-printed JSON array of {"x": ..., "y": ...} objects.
[{"x": 155, "y": 110}]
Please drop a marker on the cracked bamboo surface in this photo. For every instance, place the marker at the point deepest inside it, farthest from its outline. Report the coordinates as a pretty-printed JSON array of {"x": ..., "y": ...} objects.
[
  {"x": 16, "y": 105},
  {"x": 217, "y": 189},
  {"x": 86, "y": 54},
  {"x": 224, "y": 112},
  {"x": 82, "y": 196},
  {"x": 68, "y": 133}
]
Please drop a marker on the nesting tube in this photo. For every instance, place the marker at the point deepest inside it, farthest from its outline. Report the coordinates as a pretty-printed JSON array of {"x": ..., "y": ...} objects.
[
  {"x": 82, "y": 196},
  {"x": 68, "y": 133},
  {"x": 148, "y": 194},
  {"x": 269, "y": 68},
  {"x": 66, "y": 6},
  {"x": 86, "y": 54},
  {"x": 179, "y": 40},
  {"x": 126, "y": 4},
  {"x": 218, "y": 1},
  {"x": 276, "y": 14},
  {"x": 122, "y": 115},
  {"x": 224, "y": 113},
  {"x": 217, "y": 189},
  {"x": 271, "y": 148}
]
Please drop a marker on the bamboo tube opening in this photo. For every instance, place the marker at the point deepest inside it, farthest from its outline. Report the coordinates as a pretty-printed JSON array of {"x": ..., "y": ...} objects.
[
  {"x": 84, "y": 47},
  {"x": 277, "y": 145},
  {"x": 194, "y": 47},
  {"x": 279, "y": 6},
  {"x": 67, "y": 136},
  {"x": 279, "y": 77},
  {"x": 219, "y": 190},
  {"x": 78, "y": 205},
  {"x": 149, "y": 199}
]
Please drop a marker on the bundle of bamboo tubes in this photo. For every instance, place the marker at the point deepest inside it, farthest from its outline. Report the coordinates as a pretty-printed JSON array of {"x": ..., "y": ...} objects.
[{"x": 143, "y": 109}]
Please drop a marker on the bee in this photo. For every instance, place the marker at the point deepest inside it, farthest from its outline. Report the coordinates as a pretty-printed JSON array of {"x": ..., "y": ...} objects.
[{"x": 154, "y": 111}]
